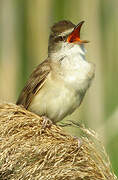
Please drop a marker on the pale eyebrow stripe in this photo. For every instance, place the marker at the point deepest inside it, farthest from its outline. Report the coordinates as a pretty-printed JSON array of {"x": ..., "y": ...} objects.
[{"x": 66, "y": 32}]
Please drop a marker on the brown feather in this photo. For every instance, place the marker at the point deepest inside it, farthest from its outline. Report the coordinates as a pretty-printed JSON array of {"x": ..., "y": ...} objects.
[
  {"x": 61, "y": 26},
  {"x": 34, "y": 84}
]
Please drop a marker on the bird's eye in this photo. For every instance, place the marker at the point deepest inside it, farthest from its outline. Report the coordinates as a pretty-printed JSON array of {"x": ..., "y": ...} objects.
[
  {"x": 59, "y": 38},
  {"x": 64, "y": 38}
]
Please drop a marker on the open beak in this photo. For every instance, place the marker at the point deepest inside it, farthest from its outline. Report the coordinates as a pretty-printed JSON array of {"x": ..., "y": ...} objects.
[{"x": 75, "y": 35}]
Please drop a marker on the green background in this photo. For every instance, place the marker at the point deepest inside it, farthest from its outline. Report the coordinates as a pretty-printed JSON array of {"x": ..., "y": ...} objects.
[{"x": 24, "y": 31}]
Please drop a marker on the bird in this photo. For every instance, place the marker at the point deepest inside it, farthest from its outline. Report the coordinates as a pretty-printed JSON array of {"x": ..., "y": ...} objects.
[{"x": 57, "y": 86}]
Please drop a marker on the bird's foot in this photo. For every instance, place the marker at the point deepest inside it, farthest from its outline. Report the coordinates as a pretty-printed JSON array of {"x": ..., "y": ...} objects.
[
  {"x": 71, "y": 123},
  {"x": 79, "y": 140},
  {"x": 46, "y": 123}
]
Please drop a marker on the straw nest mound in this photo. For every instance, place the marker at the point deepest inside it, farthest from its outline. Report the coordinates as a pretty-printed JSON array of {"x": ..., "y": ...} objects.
[{"x": 28, "y": 153}]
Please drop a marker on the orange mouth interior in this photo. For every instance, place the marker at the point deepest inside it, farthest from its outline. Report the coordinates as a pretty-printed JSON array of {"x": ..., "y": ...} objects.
[{"x": 75, "y": 35}]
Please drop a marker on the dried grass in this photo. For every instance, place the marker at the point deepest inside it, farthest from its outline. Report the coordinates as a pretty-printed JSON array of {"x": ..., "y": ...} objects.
[{"x": 27, "y": 154}]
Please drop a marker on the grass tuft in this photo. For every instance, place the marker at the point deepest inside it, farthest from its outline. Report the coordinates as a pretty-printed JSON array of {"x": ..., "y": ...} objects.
[{"x": 27, "y": 154}]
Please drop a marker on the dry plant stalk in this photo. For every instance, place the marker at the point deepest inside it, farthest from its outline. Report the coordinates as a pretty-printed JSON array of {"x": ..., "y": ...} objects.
[{"x": 27, "y": 154}]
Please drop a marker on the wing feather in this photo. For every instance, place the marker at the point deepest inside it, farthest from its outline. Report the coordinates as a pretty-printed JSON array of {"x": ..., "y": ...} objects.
[{"x": 34, "y": 84}]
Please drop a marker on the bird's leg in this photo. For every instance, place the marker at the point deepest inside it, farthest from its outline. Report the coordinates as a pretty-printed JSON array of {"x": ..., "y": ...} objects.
[
  {"x": 71, "y": 123},
  {"x": 65, "y": 124},
  {"x": 79, "y": 140},
  {"x": 46, "y": 122}
]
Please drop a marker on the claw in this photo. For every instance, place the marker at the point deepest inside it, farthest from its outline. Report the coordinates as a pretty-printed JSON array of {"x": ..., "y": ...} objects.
[{"x": 46, "y": 123}]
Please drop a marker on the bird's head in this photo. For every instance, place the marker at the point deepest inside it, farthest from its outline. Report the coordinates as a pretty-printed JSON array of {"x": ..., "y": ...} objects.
[{"x": 64, "y": 35}]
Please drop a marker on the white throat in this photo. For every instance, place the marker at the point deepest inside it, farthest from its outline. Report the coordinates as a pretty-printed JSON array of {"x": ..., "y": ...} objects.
[
  {"x": 70, "y": 51},
  {"x": 75, "y": 70}
]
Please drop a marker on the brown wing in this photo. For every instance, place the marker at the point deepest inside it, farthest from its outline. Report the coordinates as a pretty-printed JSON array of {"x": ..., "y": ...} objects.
[{"x": 34, "y": 84}]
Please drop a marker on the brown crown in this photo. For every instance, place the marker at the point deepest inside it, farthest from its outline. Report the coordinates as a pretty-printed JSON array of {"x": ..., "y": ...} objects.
[{"x": 62, "y": 26}]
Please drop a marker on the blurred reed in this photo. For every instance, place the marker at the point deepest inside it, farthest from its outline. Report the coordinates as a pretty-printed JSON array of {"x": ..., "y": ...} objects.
[
  {"x": 9, "y": 53},
  {"x": 24, "y": 31}
]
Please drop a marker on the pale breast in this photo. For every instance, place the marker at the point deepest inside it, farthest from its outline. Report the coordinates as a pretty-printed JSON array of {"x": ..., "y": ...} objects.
[
  {"x": 63, "y": 90},
  {"x": 55, "y": 100},
  {"x": 79, "y": 75}
]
